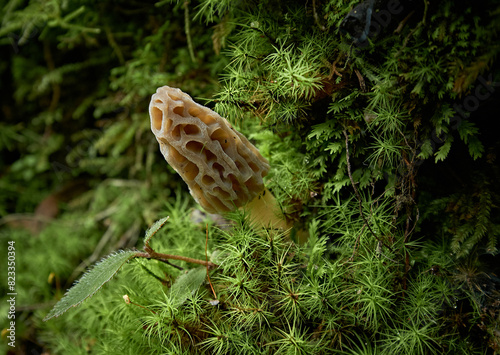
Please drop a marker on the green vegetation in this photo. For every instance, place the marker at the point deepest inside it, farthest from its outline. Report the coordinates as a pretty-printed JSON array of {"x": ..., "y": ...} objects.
[{"x": 384, "y": 149}]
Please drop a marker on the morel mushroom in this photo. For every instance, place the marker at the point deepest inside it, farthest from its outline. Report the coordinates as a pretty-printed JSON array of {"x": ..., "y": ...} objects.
[{"x": 222, "y": 169}]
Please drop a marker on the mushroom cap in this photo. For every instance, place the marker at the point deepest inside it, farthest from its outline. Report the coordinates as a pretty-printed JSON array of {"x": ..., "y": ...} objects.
[{"x": 222, "y": 169}]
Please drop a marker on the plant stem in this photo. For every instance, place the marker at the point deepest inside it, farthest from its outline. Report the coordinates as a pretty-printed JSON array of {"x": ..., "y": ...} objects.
[
  {"x": 358, "y": 196},
  {"x": 187, "y": 28},
  {"x": 316, "y": 18},
  {"x": 206, "y": 259},
  {"x": 151, "y": 254}
]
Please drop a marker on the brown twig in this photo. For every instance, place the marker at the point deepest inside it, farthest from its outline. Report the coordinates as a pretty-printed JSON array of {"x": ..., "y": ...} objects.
[
  {"x": 420, "y": 24},
  {"x": 361, "y": 80},
  {"x": 151, "y": 254},
  {"x": 333, "y": 68},
  {"x": 316, "y": 17}
]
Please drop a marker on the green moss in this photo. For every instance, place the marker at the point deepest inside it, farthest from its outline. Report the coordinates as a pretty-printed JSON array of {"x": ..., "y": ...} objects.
[{"x": 381, "y": 149}]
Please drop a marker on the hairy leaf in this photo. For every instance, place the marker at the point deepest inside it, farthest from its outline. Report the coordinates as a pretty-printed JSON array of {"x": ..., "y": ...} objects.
[
  {"x": 154, "y": 228},
  {"x": 91, "y": 282}
]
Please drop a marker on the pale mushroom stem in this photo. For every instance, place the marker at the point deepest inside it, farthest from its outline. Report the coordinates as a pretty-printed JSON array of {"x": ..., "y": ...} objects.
[{"x": 265, "y": 212}]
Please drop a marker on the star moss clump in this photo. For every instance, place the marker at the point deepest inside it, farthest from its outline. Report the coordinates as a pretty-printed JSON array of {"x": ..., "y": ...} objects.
[{"x": 374, "y": 117}]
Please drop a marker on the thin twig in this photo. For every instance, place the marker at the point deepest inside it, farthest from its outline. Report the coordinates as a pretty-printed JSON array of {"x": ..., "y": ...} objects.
[
  {"x": 172, "y": 264},
  {"x": 361, "y": 80},
  {"x": 114, "y": 45},
  {"x": 403, "y": 23},
  {"x": 151, "y": 254},
  {"x": 152, "y": 274},
  {"x": 333, "y": 68},
  {"x": 420, "y": 24},
  {"x": 358, "y": 196},
  {"x": 206, "y": 259},
  {"x": 410, "y": 164},
  {"x": 348, "y": 55},
  {"x": 187, "y": 28},
  {"x": 316, "y": 18},
  {"x": 56, "y": 88},
  {"x": 357, "y": 241},
  {"x": 127, "y": 300}
]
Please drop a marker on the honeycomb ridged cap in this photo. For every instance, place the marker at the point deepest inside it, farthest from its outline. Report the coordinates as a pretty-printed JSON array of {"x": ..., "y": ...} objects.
[{"x": 222, "y": 169}]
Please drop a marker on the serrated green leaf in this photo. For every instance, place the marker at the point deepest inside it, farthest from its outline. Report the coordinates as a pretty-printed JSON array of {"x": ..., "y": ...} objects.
[
  {"x": 365, "y": 178},
  {"x": 345, "y": 102},
  {"x": 187, "y": 284},
  {"x": 334, "y": 147},
  {"x": 338, "y": 185},
  {"x": 443, "y": 151},
  {"x": 467, "y": 129},
  {"x": 154, "y": 228},
  {"x": 91, "y": 282},
  {"x": 425, "y": 149},
  {"x": 320, "y": 129},
  {"x": 476, "y": 148}
]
